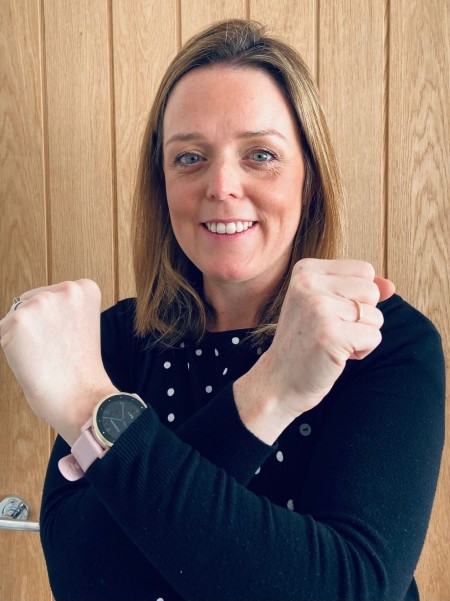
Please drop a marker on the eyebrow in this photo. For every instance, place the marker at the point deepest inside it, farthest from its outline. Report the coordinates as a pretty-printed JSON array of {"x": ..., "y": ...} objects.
[{"x": 188, "y": 137}]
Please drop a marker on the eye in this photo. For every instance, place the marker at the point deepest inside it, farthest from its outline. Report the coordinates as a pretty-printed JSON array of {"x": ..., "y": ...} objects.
[
  {"x": 187, "y": 158},
  {"x": 262, "y": 156}
]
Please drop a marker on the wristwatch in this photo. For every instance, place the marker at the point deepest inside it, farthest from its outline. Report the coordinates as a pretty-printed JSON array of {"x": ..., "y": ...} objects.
[{"x": 110, "y": 418}]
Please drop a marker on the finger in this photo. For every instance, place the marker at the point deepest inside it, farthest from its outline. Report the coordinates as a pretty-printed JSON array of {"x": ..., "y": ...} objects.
[
  {"x": 365, "y": 339},
  {"x": 386, "y": 287},
  {"x": 354, "y": 288},
  {"x": 350, "y": 267},
  {"x": 4, "y": 320},
  {"x": 86, "y": 285},
  {"x": 31, "y": 293},
  {"x": 365, "y": 314}
]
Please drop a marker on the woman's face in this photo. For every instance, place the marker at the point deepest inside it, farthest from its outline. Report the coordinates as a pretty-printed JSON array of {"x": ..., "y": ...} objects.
[{"x": 234, "y": 173}]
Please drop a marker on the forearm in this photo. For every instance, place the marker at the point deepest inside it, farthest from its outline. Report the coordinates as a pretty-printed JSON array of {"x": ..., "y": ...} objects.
[
  {"x": 213, "y": 539},
  {"x": 260, "y": 409}
]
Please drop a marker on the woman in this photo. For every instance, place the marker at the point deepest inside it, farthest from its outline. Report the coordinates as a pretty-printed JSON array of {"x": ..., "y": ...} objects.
[{"x": 268, "y": 464}]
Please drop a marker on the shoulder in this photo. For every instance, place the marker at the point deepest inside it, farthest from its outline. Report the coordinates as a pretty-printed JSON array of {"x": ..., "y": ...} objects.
[
  {"x": 406, "y": 327},
  {"x": 120, "y": 315},
  {"x": 409, "y": 362},
  {"x": 401, "y": 384},
  {"x": 123, "y": 352}
]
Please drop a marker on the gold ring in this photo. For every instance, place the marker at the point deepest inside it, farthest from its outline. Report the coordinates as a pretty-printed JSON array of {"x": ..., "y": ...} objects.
[{"x": 360, "y": 311}]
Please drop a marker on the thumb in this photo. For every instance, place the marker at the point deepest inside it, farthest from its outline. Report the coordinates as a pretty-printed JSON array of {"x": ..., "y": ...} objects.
[{"x": 386, "y": 287}]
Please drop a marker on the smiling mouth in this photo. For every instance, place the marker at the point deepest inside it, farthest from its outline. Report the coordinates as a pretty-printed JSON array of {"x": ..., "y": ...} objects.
[{"x": 231, "y": 227}]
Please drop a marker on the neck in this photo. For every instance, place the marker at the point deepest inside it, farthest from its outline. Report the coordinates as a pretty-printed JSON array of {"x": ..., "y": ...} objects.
[{"x": 237, "y": 305}]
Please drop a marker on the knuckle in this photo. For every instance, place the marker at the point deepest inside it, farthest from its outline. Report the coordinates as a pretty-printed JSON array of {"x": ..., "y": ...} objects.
[
  {"x": 41, "y": 299},
  {"x": 319, "y": 305},
  {"x": 379, "y": 318},
  {"x": 378, "y": 337},
  {"x": 68, "y": 287},
  {"x": 305, "y": 281},
  {"x": 374, "y": 294},
  {"x": 89, "y": 286},
  {"x": 326, "y": 337},
  {"x": 367, "y": 270},
  {"x": 304, "y": 264}
]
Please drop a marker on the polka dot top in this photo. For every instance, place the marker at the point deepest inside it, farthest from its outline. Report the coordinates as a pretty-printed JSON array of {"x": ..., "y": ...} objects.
[
  {"x": 183, "y": 380},
  {"x": 189, "y": 505}
]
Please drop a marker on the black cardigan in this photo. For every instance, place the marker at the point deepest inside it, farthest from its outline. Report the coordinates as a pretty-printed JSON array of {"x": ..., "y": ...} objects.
[{"x": 189, "y": 505}]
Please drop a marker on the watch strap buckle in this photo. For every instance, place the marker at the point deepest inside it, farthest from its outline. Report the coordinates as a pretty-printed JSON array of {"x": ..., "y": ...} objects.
[{"x": 84, "y": 452}]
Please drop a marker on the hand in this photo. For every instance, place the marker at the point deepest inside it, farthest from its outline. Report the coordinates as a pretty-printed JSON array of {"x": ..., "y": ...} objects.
[
  {"x": 317, "y": 333},
  {"x": 52, "y": 344}
]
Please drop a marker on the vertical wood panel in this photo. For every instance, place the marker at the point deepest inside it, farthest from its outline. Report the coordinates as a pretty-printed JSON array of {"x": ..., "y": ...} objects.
[
  {"x": 145, "y": 41},
  {"x": 80, "y": 145},
  {"x": 109, "y": 54},
  {"x": 24, "y": 439},
  {"x": 351, "y": 71},
  {"x": 418, "y": 219},
  {"x": 294, "y": 22},
  {"x": 197, "y": 14}
]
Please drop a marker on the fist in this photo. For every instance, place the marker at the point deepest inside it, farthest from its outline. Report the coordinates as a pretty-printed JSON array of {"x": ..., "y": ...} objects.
[
  {"x": 52, "y": 344},
  {"x": 329, "y": 316}
]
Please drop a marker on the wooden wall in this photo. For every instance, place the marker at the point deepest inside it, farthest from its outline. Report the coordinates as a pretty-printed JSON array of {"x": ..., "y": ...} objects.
[{"x": 77, "y": 79}]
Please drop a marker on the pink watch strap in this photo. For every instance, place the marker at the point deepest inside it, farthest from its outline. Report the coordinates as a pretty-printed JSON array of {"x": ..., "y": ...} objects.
[{"x": 84, "y": 452}]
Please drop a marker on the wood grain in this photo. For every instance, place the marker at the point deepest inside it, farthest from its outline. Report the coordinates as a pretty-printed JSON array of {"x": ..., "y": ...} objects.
[
  {"x": 196, "y": 15},
  {"x": 294, "y": 22},
  {"x": 351, "y": 65},
  {"x": 24, "y": 446},
  {"x": 418, "y": 219},
  {"x": 77, "y": 80},
  {"x": 144, "y": 42},
  {"x": 80, "y": 190}
]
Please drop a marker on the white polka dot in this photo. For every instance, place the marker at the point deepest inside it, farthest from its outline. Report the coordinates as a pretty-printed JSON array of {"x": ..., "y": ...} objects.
[
  {"x": 280, "y": 456},
  {"x": 290, "y": 504},
  {"x": 198, "y": 352},
  {"x": 167, "y": 364},
  {"x": 216, "y": 352},
  {"x": 189, "y": 366},
  {"x": 160, "y": 599},
  {"x": 182, "y": 345},
  {"x": 225, "y": 371},
  {"x": 208, "y": 388},
  {"x": 259, "y": 351},
  {"x": 257, "y": 471},
  {"x": 170, "y": 417},
  {"x": 170, "y": 392},
  {"x": 235, "y": 340}
]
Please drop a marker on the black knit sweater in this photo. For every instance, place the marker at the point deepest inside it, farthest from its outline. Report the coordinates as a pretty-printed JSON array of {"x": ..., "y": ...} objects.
[{"x": 189, "y": 505}]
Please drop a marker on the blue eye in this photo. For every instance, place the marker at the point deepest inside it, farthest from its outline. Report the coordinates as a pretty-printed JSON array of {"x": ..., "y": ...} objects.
[
  {"x": 261, "y": 156},
  {"x": 188, "y": 158}
]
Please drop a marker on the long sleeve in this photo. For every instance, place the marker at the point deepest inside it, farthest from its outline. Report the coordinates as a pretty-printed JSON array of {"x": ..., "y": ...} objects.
[
  {"x": 355, "y": 534},
  {"x": 72, "y": 512}
]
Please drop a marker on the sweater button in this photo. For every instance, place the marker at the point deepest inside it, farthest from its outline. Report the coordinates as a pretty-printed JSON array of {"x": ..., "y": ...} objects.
[{"x": 305, "y": 429}]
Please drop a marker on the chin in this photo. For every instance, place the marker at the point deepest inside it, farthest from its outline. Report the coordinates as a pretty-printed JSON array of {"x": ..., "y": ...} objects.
[{"x": 230, "y": 274}]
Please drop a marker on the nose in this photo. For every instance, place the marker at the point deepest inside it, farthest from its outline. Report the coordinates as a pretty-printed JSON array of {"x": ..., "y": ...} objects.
[{"x": 224, "y": 181}]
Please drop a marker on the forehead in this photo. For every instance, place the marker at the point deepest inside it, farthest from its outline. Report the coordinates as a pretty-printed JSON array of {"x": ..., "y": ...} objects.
[{"x": 223, "y": 97}]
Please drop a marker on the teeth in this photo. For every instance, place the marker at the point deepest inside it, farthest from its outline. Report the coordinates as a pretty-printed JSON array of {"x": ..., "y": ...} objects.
[{"x": 232, "y": 227}]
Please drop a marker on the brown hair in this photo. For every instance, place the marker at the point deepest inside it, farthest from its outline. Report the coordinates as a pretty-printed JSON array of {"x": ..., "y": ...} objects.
[{"x": 169, "y": 287}]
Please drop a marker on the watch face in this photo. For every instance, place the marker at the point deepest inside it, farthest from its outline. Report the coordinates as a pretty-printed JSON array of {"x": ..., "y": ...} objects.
[{"x": 115, "y": 414}]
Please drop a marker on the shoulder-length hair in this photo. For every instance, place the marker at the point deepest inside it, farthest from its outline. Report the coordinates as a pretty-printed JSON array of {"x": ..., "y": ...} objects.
[{"x": 170, "y": 303}]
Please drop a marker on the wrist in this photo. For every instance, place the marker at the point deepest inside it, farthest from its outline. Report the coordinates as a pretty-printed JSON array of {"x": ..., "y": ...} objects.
[
  {"x": 260, "y": 409},
  {"x": 82, "y": 408}
]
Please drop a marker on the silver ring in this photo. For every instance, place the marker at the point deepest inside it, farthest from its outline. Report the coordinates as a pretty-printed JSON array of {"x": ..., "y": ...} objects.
[
  {"x": 16, "y": 302},
  {"x": 360, "y": 311}
]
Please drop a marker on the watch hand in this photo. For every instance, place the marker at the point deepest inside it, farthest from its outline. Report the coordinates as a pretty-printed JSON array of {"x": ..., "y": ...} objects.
[{"x": 114, "y": 419}]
